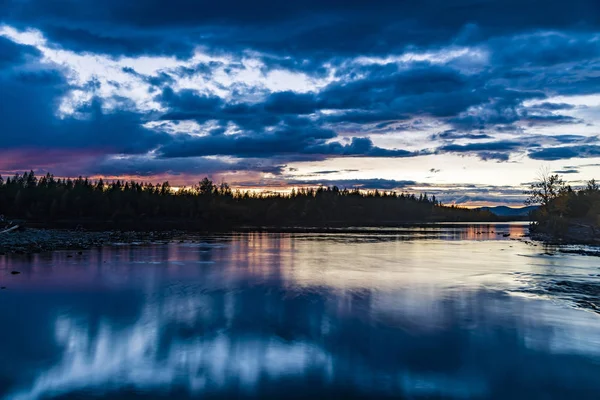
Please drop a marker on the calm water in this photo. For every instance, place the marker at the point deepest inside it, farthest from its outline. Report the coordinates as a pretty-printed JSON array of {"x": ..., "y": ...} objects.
[{"x": 438, "y": 312}]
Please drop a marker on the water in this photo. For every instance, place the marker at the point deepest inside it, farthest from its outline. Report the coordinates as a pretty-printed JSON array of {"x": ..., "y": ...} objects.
[{"x": 444, "y": 311}]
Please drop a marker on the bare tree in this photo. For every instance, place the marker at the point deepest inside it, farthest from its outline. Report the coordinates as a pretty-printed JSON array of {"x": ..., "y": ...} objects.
[
  {"x": 545, "y": 189},
  {"x": 592, "y": 186}
]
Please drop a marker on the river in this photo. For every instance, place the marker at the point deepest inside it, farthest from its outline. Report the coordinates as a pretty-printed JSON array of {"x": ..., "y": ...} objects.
[{"x": 441, "y": 311}]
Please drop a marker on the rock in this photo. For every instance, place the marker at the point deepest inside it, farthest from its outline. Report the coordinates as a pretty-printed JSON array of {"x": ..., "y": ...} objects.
[
  {"x": 3, "y": 288},
  {"x": 80, "y": 252},
  {"x": 14, "y": 272}
]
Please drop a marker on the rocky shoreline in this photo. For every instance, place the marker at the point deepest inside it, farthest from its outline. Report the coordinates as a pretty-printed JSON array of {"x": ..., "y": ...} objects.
[
  {"x": 574, "y": 234},
  {"x": 28, "y": 241}
]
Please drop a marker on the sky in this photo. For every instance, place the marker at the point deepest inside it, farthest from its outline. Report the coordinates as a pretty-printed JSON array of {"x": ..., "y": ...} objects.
[{"x": 464, "y": 99}]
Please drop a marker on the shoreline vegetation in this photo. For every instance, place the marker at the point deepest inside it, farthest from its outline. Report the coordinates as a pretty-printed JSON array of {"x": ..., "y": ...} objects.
[{"x": 565, "y": 215}]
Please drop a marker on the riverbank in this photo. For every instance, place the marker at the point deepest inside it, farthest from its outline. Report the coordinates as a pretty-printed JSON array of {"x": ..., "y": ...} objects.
[
  {"x": 31, "y": 240},
  {"x": 570, "y": 233},
  {"x": 36, "y": 240}
]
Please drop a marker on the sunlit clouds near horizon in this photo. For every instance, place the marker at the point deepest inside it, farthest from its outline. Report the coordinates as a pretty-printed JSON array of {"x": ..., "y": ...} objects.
[{"x": 465, "y": 100}]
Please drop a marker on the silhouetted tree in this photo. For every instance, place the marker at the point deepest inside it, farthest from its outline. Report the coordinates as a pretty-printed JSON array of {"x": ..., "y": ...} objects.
[{"x": 207, "y": 205}]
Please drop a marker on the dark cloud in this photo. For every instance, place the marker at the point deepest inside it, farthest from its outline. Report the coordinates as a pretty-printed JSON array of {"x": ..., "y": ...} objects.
[
  {"x": 291, "y": 103},
  {"x": 566, "y": 171},
  {"x": 544, "y": 49},
  {"x": 498, "y": 150},
  {"x": 28, "y": 111},
  {"x": 334, "y": 171},
  {"x": 189, "y": 105},
  {"x": 533, "y": 120},
  {"x": 553, "y": 106},
  {"x": 125, "y": 42},
  {"x": 306, "y": 140},
  {"x": 424, "y": 89},
  {"x": 453, "y": 134},
  {"x": 12, "y": 54},
  {"x": 584, "y": 166},
  {"x": 382, "y": 94},
  {"x": 144, "y": 165},
  {"x": 381, "y": 184},
  {"x": 566, "y": 139},
  {"x": 566, "y": 152},
  {"x": 491, "y": 155},
  {"x": 499, "y": 105},
  {"x": 317, "y": 28},
  {"x": 501, "y": 150}
]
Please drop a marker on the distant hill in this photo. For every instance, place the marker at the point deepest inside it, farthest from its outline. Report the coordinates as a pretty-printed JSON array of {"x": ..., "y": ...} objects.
[{"x": 504, "y": 211}]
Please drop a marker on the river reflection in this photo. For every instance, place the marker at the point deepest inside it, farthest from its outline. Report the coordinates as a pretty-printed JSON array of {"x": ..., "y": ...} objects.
[{"x": 300, "y": 316}]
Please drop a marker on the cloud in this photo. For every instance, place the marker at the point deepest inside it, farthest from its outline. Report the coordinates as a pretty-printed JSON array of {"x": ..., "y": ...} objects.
[
  {"x": 453, "y": 134},
  {"x": 255, "y": 86},
  {"x": 311, "y": 28},
  {"x": 553, "y": 106},
  {"x": 421, "y": 89},
  {"x": 12, "y": 54},
  {"x": 565, "y": 152},
  {"x": 544, "y": 49},
  {"x": 376, "y": 183},
  {"x": 334, "y": 171},
  {"x": 147, "y": 166},
  {"x": 499, "y": 150},
  {"x": 28, "y": 111},
  {"x": 306, "y": 140}
]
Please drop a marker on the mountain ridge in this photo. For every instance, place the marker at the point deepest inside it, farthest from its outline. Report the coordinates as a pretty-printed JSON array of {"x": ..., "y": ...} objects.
[{"x": 505, "y": 211}]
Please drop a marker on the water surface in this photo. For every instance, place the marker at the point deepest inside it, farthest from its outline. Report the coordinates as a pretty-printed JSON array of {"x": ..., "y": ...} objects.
[{"x": 445, "y": 311}]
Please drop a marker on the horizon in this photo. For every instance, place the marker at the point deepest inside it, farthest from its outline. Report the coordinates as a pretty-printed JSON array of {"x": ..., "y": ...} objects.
[
  {"x": 463, "y": 101},
  {"x": 282, "y": 190}
]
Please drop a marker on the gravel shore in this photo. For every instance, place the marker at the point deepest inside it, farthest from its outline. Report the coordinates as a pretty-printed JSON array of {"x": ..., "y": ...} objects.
[{"x": 43, "y": 240}]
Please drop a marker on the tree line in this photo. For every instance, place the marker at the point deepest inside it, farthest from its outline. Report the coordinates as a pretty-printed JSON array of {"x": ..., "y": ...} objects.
[
  {"x": 212, "y": 206},
  {"x": 561, "y": 206}
]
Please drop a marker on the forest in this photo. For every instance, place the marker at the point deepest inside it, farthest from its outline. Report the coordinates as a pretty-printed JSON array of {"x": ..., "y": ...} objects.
[{"x": 208, "y": 206}]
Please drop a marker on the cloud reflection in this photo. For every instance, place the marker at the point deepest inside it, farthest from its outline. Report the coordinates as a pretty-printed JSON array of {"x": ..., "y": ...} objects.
[
  {"x": 274, "y": 316},
  {"x": 264, "y": 340}
]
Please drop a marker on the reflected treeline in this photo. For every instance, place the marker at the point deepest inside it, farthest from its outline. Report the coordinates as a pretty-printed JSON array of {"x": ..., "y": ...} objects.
[{"x": 211, "y": 206}]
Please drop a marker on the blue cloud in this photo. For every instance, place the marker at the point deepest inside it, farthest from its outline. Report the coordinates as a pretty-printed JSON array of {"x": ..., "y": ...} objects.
[
  {"x": 453, "y": 134},
  {"x": 545, "y": 49},
  {"x": 12, "y": 54},
  {"x": 316, "y": 28},
  {"x": 307, "y": 140},
  {"x": 29, "y": 105},
  {"x": 499, "y": 150},
  {"x": 518, "y": 51},
  {"x": 566, "y": 152}
]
